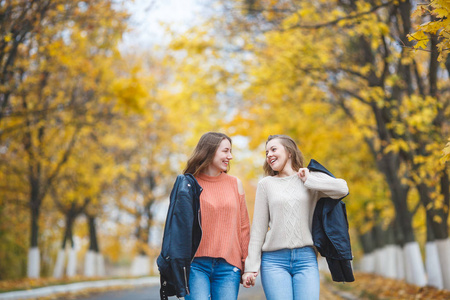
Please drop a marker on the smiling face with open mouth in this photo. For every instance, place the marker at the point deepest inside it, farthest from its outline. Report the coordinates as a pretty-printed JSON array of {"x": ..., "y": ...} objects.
[
  {"x": 222, "y": 157},
  {"x": 277, "y": 156}
]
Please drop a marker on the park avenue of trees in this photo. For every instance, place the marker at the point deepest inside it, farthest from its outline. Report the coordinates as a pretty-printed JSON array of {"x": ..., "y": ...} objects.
[{"x": 91, "y": 138}]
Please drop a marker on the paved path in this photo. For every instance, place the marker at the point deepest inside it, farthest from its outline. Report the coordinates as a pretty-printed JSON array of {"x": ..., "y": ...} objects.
[
  {"x": 146, "y": 288},
  {"x": 327, "y": 292},
  {"x": 152, "y": 293}
]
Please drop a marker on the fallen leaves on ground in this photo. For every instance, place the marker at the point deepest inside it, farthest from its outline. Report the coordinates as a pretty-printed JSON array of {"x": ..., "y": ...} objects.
[
  {"x": 30, "y": 283},
  {"x": 374, "y": 287},
  {"x": 326, "y": 293}
]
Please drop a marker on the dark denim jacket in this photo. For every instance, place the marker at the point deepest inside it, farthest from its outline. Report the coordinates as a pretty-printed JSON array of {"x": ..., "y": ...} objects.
[
  {"x": 182, "y": 235},
  {"x": 330, "y": 232}
]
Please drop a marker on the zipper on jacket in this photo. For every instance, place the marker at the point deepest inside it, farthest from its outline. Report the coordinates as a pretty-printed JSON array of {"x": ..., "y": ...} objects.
[
  {"x": 185, "y": 280},
  {"x": 200, "y": 224}
]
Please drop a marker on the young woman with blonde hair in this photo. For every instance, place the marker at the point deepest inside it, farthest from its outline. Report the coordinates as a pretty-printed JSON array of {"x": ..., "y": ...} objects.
[{"x": 281, "y": 243}]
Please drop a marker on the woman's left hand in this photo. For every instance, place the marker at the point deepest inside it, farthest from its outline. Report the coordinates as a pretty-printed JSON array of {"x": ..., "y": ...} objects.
[
  {"x": 249, "y": 278},
  {"x": 303, "y": 174}
]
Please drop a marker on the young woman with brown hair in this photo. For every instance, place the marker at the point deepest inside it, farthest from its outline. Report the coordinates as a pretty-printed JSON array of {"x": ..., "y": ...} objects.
[{"x": 215, "y": 272}]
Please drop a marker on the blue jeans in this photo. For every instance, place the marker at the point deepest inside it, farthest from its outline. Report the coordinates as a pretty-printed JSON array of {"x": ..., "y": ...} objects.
[
  {"x": 213, "y": 278},
  {"x": 290, "y": 274}
]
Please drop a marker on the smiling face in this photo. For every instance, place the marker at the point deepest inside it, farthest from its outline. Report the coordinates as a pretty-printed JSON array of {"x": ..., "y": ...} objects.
[
  {"x": 276, "y": 155},
  {"x": 289, "y": 149},
  {"x": 222, "y": 157}
]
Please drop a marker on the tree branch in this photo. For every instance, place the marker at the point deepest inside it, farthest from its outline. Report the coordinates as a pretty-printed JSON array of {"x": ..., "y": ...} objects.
[{"x": 334, "y": 22}]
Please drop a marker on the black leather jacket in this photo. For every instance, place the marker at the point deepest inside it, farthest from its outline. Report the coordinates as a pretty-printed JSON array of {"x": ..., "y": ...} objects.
[
  {"x": 182, "y": 235},
  {"x": 330, "y": 233}
]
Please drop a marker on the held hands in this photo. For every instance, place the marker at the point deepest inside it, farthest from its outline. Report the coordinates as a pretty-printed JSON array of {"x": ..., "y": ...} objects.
[
  {"x": 303, "y": 174},
  {"x": 249, "y": 279}
]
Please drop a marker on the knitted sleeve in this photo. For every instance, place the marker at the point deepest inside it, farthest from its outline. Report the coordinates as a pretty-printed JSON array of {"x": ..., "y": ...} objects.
[
  {"x": 258, "y": 231},
  {"x": 245, "y": 228},
  {"x": 326, "y": 186}
]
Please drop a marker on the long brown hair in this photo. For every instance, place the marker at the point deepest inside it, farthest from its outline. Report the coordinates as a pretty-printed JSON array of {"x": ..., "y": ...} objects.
[
  {"x": 291, "y": 147},
  {"x": 204, "y": 152}
]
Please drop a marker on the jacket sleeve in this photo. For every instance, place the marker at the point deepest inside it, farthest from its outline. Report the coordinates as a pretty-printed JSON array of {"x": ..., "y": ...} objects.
[
  {"x": 178, "y": 249},
  {"x": 181, "y": 244}
]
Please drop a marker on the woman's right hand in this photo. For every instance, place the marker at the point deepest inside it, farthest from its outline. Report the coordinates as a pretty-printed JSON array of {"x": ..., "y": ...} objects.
[
  {"x": 303, "y": 174},
  {"x": 249, "y": 279}
]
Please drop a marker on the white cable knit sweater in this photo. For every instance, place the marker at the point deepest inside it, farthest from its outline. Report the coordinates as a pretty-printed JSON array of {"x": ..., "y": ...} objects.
[{"x": 283, "y": 213}]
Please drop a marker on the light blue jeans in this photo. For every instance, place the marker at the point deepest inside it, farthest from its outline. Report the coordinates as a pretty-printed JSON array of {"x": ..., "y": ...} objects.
[
  {"x": 290, "y": 274},
  {"x": 213, "y": 278}
]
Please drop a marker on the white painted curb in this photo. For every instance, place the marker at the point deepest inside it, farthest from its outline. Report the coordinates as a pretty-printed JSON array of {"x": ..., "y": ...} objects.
[{"x": 74, "y": 287}]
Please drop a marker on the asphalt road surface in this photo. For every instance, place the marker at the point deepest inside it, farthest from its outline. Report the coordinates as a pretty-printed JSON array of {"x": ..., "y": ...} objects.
[
  {"x": 152, "y": 293},
  {"x": 328, "y": 291}
]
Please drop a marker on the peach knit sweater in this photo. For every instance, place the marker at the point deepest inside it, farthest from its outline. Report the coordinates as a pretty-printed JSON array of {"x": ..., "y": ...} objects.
[{"x": 224, "y": 219}]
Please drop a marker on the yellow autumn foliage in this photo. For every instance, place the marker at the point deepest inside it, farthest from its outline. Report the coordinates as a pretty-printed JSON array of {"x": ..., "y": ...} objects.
[{"x": 439, "y": 25}]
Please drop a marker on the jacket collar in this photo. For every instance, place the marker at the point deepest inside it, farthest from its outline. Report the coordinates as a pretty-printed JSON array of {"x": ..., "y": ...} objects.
[
  {"x": 197, "y": 188},
  {"x": 316, "y": 166}
]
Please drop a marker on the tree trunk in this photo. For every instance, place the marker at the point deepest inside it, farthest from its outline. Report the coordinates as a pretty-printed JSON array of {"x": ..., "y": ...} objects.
[
  {"x": 389, "y": 251},
  {"x": 93, "y": 242},
  {"x": 447, "y": 65},
  {"x": 380, "y": 239},
  {"x": 414, "y": 268},
  {"x": 68, "y": 233},
  {"x": 140, "y": 266},
  {"x": 100, "y": 264},
  {"x": 443, "y": 249},
  {"x": 400, "y": 257},
  {"x": 34, "y": 223},
  {"x": 432, "y": 261},
  {"x": 437, "y": 230},
  {"x": 58, "y": 271},
  {"x": 71, "y": 269},
  {"x": 90, "y": 263},
  {"x": 68, "y": 236},
  {"x": 93, "y": 260},
  {"x": 367, "y": 263},
  {"x": 399, "y": 193},
  {"x": 34, "y": 263},
  {"x": 436, "y": 218},
  {"x": 443, "y": 245},
  {"x": 34, "y": 266}
]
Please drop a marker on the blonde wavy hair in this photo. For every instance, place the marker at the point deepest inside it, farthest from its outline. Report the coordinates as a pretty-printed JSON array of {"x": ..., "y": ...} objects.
[{"x": 291, "y": 147}]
